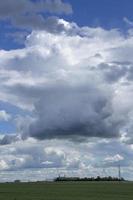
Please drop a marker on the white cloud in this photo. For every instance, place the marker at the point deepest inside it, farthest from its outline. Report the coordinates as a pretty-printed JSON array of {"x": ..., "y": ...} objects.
[
  {"x": 47, "y": 159},
  {"x": 76, "y": 84},
  {"x": 33, "y": 154},
  {"x": 114, "y": 158},
  {"x": 4, "y": 116},
  {"x": 3, "y": 165},
  {"x": 129, "y": 22},
  {"x": 72, "y": 82}
]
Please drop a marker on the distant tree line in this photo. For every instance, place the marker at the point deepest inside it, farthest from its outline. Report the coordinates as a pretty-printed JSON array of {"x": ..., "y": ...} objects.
[{"x": 98, "y": 178}]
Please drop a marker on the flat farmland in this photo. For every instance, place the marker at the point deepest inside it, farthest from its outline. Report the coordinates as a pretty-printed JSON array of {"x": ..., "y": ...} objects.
[{"x": 67, "y": 191}]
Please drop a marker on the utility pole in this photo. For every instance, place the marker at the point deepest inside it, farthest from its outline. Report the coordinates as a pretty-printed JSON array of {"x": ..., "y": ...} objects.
[{"x": 119, "y": 172}]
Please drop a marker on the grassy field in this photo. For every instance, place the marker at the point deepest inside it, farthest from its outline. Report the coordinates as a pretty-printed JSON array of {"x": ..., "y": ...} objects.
[{"x": 67, "y": 191}]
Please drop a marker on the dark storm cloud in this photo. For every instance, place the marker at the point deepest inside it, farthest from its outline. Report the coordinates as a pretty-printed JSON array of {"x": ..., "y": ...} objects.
[
  {"x": 74, "y": 113},
  {"x": 64, "y": 111}
]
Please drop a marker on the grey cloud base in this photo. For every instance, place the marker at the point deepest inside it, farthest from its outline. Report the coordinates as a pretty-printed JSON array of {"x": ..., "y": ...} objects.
[{"x": 74, "y": 112}]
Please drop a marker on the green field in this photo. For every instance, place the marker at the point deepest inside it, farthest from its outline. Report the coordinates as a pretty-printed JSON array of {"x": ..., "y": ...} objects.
[{"x": 67, "y": 191}]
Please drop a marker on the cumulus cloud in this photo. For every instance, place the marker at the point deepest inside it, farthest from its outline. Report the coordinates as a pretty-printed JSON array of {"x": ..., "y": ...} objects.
[
  {"x": 114, "y": 158},
  {"x": 40, "y": 160},
  {"x": 70, "y": 84},
  {"x": 8, "y": 139},
  {"x": 115, "y": 161},
  {"x": 73, "y": 83},
  {"x": 4, "y": 116},
  {"x": 31, "y": 154},
  {"x": 3, "y": 165},
  {"x": 29, "y": 14}
]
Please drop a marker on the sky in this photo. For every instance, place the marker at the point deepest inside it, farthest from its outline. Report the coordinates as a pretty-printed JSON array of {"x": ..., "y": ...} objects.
[{"x": 66, "y": 74}]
